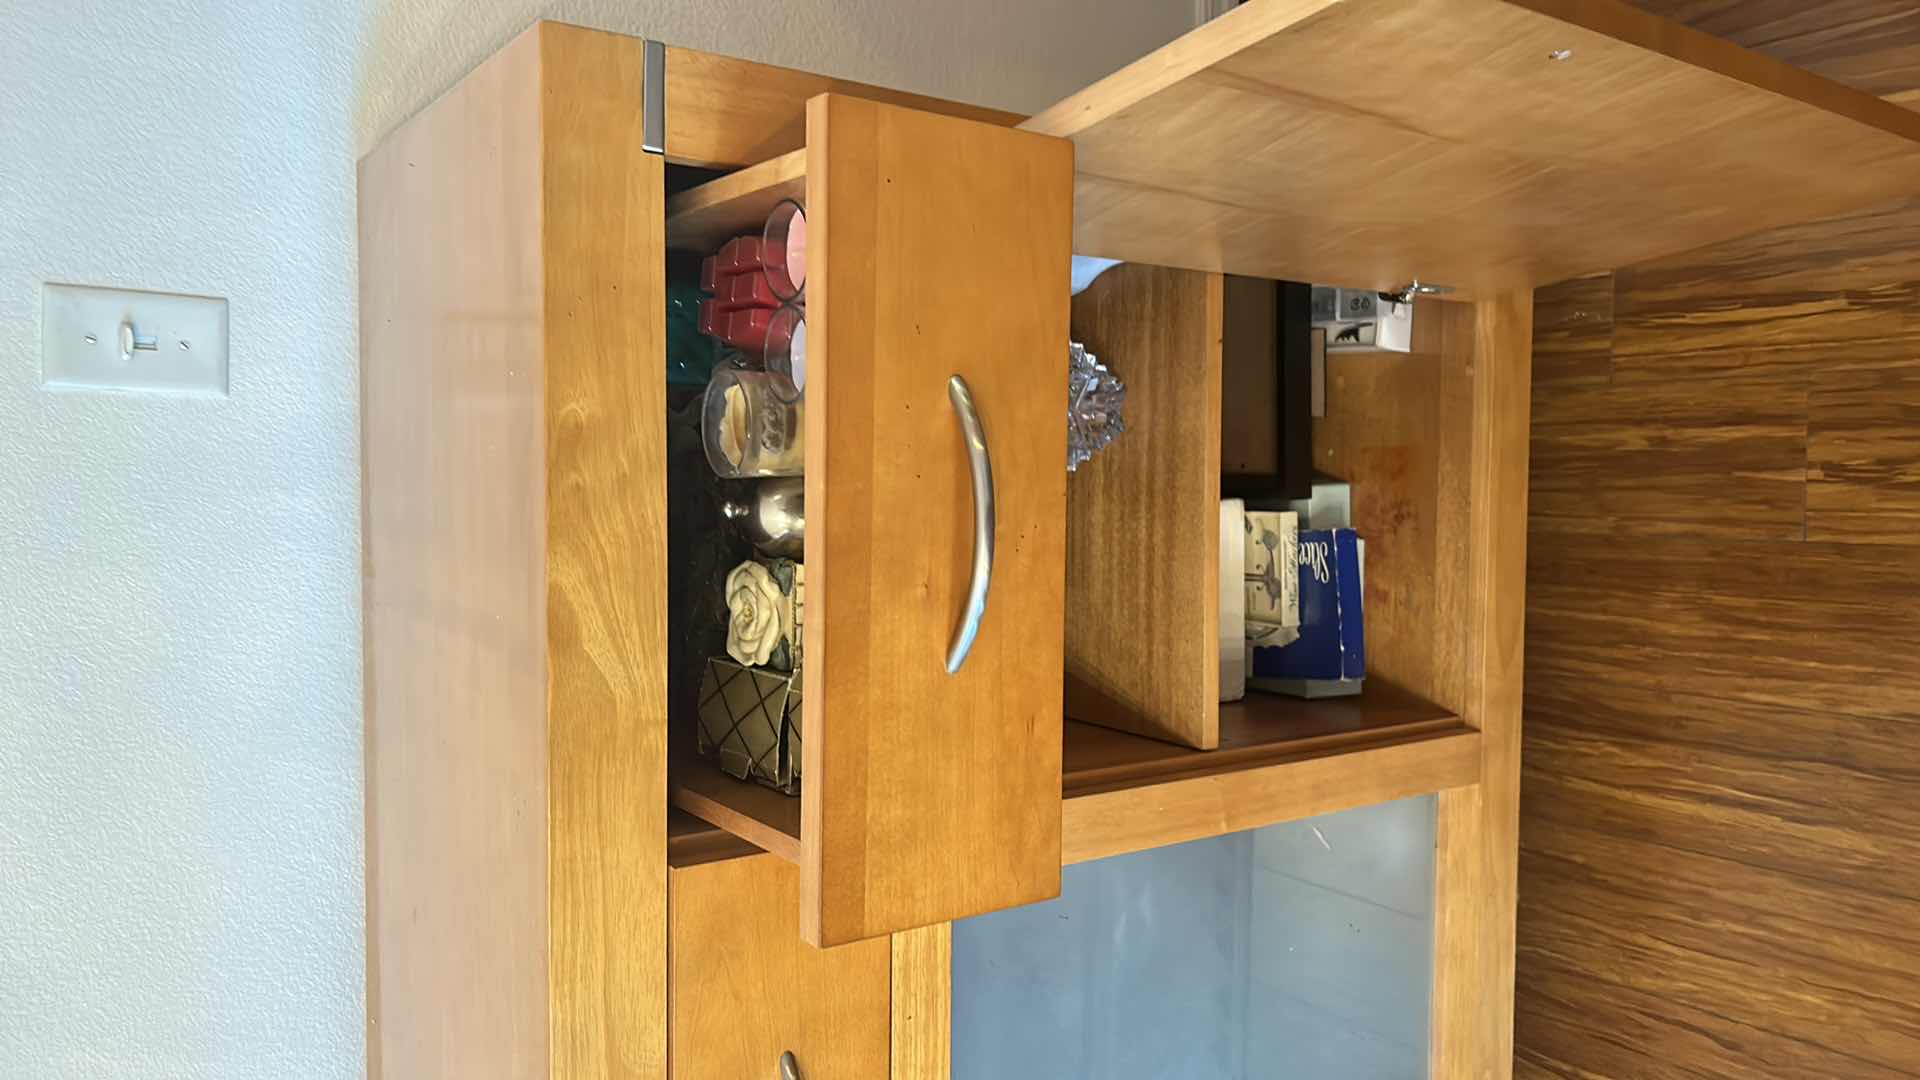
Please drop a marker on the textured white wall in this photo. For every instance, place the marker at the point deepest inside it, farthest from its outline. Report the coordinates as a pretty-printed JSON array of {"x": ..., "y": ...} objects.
[{"x": 180, "y": 857}]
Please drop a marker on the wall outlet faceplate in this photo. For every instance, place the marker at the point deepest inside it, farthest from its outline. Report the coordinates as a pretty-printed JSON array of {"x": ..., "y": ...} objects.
[{"x": 123, "y": 339}]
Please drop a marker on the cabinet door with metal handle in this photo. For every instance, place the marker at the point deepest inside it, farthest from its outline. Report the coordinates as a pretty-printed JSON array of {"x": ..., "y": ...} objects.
[
  {"x": 980, "y": 464},
  {"x": 937, "y": 304}
]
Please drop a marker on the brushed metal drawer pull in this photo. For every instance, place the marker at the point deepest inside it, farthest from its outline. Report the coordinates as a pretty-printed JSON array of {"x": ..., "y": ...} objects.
[
  {"x": 975, "y": 438},
  {"x": 789, "y": 1066}
]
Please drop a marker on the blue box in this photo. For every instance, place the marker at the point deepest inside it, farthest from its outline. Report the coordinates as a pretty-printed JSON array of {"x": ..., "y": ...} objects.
[{"x": 1332, "y": 644}]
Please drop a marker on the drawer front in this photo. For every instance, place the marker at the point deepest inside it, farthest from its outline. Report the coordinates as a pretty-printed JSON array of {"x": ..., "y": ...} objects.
[
  {"x": 941, "y": 248},
  {"x": 743, "y": 988}
]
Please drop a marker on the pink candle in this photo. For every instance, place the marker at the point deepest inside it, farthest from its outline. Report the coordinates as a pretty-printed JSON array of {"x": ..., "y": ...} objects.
[
  {"x": 784, "y": 251},
  {"x": 796, "y": 253}
]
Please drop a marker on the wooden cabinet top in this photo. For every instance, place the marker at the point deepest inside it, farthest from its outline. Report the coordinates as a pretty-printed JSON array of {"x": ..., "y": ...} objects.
[{"x": 1483, "y": 144}]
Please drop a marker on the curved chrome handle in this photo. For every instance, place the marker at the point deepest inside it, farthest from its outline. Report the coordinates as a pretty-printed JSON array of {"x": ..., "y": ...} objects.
[
  {"x": 789, "y": 1066},
  {"x": 981, "y": 465}
]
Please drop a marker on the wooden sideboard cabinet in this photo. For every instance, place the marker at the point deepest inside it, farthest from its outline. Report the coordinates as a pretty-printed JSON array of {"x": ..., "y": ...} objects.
[{"x": 557, "y": 887}]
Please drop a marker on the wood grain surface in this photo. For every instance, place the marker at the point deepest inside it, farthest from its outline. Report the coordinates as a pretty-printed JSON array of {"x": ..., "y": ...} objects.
[
  {"x": 1481, "y": 549},
  {"x": 455, "y": 576},
  {"x": 1383, "y": 435},
  {"x": 1261, "y": 729},
  {"x": 759, "y": 815},
  {"x": 1872, "y": 45},
  {"x": 1297, "y": 781},
  {"x": 1143, "y": 519},
  {"x": 941, "y": 248},
  {"x": 1484, "y": 163},
  {"x": 724, "y": 112},
  {"x": 692, "y": 841},
  {"x": 746, "y": 988},
  {"x": 602, "y": 200},
  {"x": 515, "y": 496},
  {"x": 1717, "y": 828},
  {"x": 923, "y": 1003},
  {"x": 702, "y": 218},
  {"x": 1279, "y": 759},
  {"x": 1434, "y": 443}
]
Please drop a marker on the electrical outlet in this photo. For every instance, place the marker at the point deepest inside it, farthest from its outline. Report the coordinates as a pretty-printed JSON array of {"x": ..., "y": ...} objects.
[{"x": 123, "y": 339}]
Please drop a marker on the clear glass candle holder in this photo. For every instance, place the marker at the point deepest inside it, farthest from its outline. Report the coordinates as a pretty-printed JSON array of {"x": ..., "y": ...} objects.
[
  {"x": 752, "y": 424},
  {"x": 786, "y": 350},
  {"x": 783, "y": 250}
]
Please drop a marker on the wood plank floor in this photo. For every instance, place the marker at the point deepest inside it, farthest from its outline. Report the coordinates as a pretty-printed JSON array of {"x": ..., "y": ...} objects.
[{"x": 1720, "y": 822}]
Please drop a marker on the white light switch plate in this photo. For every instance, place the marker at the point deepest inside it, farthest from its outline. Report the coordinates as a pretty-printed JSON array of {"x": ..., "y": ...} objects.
[{"x": 121, "y": 339}]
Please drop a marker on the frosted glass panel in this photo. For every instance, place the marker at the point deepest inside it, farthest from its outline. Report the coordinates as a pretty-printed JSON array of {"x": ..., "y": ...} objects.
[{"x": 1300, "y": 950}]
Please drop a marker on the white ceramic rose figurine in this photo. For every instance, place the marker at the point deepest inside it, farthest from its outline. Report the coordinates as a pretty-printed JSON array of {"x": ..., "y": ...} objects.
[{"x": 759, "y": 615}]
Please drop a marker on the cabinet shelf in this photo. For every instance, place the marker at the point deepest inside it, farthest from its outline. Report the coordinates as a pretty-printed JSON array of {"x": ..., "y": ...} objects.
[
  {"x": 1259, "y": 730},
  {"x": 692, "y": 841},
  {"x": 759, "y": 815},
  {"x": 704, "y": 217},
  {"x": 1279, "y": 759}
]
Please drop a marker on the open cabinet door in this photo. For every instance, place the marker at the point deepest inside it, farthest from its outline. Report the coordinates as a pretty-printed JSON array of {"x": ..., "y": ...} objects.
[{"x": 940, "y": 249}]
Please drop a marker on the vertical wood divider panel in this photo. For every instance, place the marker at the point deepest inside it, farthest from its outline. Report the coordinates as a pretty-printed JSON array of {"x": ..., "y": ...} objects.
[
  {"x": 1143, "y": 517},
  {"x": 514, "y": 493},
  {"x": 603, "y": 203},
  {"x": 923, "y": 1003},
  {"x": 1482, "y": 578},
  {"x": 455, "y": 630}
]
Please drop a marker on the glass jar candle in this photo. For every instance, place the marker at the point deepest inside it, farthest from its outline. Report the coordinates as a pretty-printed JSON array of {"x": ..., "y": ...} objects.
[
  {"x": 753, "y": 424},
  {"x": 783, "y": 250},
  {"x": 786, "y": 349}
]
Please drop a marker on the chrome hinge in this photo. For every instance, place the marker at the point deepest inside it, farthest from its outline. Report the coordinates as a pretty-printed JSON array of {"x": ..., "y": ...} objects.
[
  {"x": 653, "y": 98},
  {"x": 1405, "y": 293}
]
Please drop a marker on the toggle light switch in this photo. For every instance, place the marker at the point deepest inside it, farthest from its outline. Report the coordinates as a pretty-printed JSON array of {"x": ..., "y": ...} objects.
[{"x": 122, "y": 339}]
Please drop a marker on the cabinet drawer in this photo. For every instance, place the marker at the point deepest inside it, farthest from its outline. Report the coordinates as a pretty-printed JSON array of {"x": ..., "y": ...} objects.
[
  {"x": 940, "y": 251},
  {"x": 742, "y": 988}
]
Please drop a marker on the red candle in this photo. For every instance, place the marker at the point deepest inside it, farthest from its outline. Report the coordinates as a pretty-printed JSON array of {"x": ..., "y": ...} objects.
[
  {"x": 749, "y": 290},
  {"x": 739, "y": 255},
  {"x": 747, "y": 329}
]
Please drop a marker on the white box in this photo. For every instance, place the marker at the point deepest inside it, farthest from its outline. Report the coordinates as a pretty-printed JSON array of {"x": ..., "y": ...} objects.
[
  {"x": 1233, "y": 600},
  {"x": 1362, "y": 319}
]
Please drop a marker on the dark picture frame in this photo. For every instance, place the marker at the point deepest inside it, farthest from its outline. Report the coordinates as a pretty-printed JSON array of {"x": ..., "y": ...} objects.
[{"x": 1289, "y": 474}]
